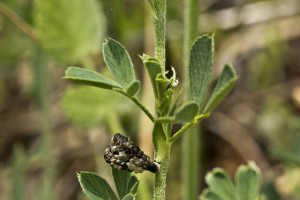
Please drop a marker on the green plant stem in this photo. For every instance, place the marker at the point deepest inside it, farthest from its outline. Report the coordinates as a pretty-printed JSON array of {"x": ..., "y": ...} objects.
[
  {"x": 160, "y": 31},
  {"x": 162, "y": 155},
  {"x": 179, "y": 133},
  {"x": 163, "y": 158},
  {"x": 18, "y": 21},
  {"x": 190, "y": 30},
  {"x": 190, "y": 142},
  {"x": 146, "y": 111}
]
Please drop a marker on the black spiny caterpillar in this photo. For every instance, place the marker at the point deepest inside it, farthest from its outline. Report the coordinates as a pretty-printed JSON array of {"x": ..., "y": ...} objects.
[{"x": 123, "y": 154}]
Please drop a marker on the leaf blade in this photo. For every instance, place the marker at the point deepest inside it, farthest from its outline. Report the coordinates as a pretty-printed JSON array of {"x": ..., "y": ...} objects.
[
  {"x": 121, "y": 179},
  {"x": 220, "y": 183},
  {"x": 158, "y": 137},
  {"x": 224, "y": 85},
  {"x": 133, "y": 88},
  {"x": 95, "y": 187},
  {"x": 129, "y": 197},
  {"x": 119, "y": 62},
  {"x": 132, "y": 185},
  {"x": 186, "y": 112},
  {"x": 248, "y": 181},
  {"x": 200, "y": 68},
  {"x": 89, "y": 77},
  {"x": 153, "y": 69}
]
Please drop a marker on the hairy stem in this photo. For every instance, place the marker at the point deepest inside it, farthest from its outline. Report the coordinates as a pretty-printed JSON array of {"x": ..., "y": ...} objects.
[
  {"x": 146, "y": 111},
  {"x": 18, "y": 21},
  {"x": 162, "y": 154},
  {"x": 160, "y": 31},
  {"x": 163, "y": 157},
  {"x": 179, "y": 133}
]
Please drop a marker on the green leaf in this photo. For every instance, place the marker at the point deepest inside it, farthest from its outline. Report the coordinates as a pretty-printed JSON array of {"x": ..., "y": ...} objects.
[
  {"x": 133, "y": 88},
  {"x": 175, "y": 105},
  {"x": 129, "y": 197},
  {"x": 224, "y": 85},
  {"x": 153, "y": 9},
  {"x": 164, "y": 95},
  {"x": 132, "y": 185},
  {"x": 119, "y": 62},
  {"x": 186, "y": 112},
  {"x": 153, "y": 69},
  {"x": 89, "y": 77},
  {"x": 69, "y": 29},
  {"x": 89, "y": 106},
  {"x": 95, "y": 187},
  {"x": 125, "y": 183},
  {"x": 220, "y": 183},
  {"x": 121, "y": 179},
  {"x": 248, "y": 181},
  {"x": 161, "y": 85},
  {"x": 209, "y": 195},
  {"x": 158, "y": 137},
  {"x": 200, "y": 68}
]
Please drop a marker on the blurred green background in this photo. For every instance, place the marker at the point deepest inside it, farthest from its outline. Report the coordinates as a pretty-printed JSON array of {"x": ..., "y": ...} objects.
[{"x": 50, "y": 128}]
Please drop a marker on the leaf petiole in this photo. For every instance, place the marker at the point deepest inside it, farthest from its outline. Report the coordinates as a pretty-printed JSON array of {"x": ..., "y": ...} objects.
[{"x": 197, "y": 119}]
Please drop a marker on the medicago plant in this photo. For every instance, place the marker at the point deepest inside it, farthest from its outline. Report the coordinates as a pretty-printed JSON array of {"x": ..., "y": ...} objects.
[{"x": 123, "y": 155}]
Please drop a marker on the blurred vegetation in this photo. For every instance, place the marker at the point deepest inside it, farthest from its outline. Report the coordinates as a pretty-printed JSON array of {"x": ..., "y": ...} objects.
[{"x": 44, "y": 120}]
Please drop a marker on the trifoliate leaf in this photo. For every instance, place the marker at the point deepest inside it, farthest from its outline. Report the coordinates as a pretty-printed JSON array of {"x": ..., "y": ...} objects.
[{"x": 248, "y": 180}]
